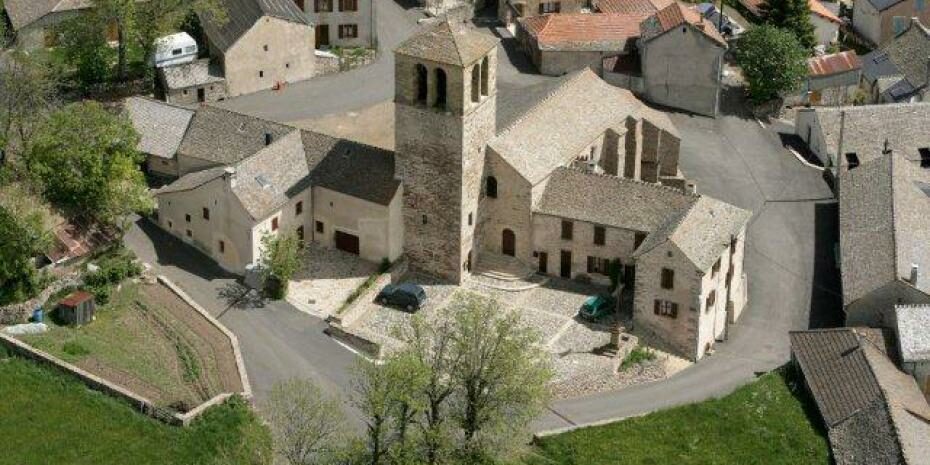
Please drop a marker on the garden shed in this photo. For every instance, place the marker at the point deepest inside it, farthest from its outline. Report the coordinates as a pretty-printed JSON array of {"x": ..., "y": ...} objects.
[{"x": 77, "y": 308}]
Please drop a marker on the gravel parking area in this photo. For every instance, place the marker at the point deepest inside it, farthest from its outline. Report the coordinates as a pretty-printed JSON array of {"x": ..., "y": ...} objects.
[{"x": 328, "y": 278}]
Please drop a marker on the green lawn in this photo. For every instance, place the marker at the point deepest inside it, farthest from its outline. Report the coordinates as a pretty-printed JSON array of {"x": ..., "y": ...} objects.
[
  {"x": 770, "y": 421},
  {"x": 51, "y": 418}
]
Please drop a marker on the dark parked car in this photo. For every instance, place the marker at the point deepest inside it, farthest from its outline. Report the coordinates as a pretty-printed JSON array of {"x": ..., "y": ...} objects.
[
  {"x": 597, "y": 307},
  {"x": 407, "y": 296}
]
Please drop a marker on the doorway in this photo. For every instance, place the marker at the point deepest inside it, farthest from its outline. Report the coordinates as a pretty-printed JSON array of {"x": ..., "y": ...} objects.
[
  {"x": 565, "y": 270},
  {"x": 543, "y": 262},
  {"x": 322, "y": 35},
  {"x": 201, "y": 95},
  {"x": 347, "y": 242},
  {"x": 509, "y": 243}
]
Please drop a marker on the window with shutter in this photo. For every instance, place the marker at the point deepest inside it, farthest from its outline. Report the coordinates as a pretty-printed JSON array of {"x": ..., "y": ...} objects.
[
  {"x": 668, "y": 278},
  {"x": 600, "y": 234},
  {"x": 592, "y": 266},
  {"x": 567, "y": 228}
]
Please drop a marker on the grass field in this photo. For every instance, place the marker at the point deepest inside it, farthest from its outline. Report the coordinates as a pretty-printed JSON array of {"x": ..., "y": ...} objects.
[
  {"x": 767, "y": 422},
  {"x": 51, "y": 418},
  {"x": 147, "y": 340}
]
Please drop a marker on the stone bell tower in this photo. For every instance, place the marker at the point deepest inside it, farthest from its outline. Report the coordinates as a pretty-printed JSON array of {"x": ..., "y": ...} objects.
[{"x": 444, "y": 116}]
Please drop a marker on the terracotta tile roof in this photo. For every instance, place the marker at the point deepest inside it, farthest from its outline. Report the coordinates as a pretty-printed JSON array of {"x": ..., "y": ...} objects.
[
  {"x": 821, "y": 10},
  {"x": 675, "y": 15},
  {"x": 834, "y": 63},
  {"x": 623, "y": 7},
  {"x": 583, "y": 31}
]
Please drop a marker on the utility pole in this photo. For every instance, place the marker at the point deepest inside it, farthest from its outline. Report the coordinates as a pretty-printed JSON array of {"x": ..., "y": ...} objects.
[{"x": 720, "y": 18}]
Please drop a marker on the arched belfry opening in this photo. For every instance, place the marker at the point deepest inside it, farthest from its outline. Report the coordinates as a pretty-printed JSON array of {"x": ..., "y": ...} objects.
[
  {"x": 440, "y": 88},
  {"x": 476, "y": 83},
  {"x": 484, "y": 76},
  {"x": 422, "y": 77}
]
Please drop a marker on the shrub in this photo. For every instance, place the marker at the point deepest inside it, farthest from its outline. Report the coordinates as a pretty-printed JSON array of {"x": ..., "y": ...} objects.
[
  {"x": 75, "y": 349},
  {"x": 113, "y": 269},
  {"x": 385, "y": 265},
  {"x": 637, "y": 356}
]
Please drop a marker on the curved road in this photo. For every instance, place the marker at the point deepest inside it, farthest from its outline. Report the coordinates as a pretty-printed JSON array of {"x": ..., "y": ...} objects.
[{"x": 788, "y": 257}]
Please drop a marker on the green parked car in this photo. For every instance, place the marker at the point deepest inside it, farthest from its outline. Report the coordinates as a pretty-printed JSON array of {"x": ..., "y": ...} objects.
[{"x": 597, "y": 307}]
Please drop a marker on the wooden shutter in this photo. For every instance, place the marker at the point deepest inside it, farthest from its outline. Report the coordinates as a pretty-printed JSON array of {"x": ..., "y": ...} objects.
[
  {"x": 542, "y": 8},
  {"x": 674, "y": 310},
  {"x": 591, "y": 265},
  {"x": 656, "y": 307}
]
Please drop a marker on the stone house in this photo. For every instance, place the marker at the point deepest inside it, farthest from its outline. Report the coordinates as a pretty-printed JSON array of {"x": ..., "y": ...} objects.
[
  {"x": 832, "y": 80},
  {"x": 884, "y": 214},
  {"x": 586, "y": 173},
  {"x": 873, "y": 413},
  {"x": 192, "y": 83},
  {"x": 853, "y": 135},
  {"x": 263, "y": 45},
  {"x": 634, "y": 49},
  {"x": 911, "y": 328},
  {"x": 161, "y": 129},
  {"x": 879, "y": 21},
  {"x": 33, "y": 20},
  {"x": 511, "y": 11},
  {"x": 899, "y": 70},
  {"x": 341, "y": 23}
]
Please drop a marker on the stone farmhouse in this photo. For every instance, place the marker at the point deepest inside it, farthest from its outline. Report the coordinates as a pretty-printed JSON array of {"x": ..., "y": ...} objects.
[
  {"x": 585, "y": 176},
  {"x": 264, "y": 44},
  {"x": 341, "y": 23},
  {"x": 899, "y": 70},
  {"x": 879, "y": 21},
  {"x": 192, "y": 83},
  {"x": 161, "y": 129},
  {"x": 831, "y": 80},
  {"x": 873, "y": 413},
  {"x": 884, "y": 232},
  {"x": 846, "y": 137},
  {"x": 669, "y": 54}
]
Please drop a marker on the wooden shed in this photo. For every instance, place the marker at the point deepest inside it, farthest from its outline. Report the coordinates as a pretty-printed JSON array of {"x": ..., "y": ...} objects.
[{"x": 77, "y": 308}]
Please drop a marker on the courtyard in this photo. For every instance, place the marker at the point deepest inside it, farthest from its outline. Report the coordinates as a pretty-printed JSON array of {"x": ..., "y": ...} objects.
[{"x": 328, "y": 278}]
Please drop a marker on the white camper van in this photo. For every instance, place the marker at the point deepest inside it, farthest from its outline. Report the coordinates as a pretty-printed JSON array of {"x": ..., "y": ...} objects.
[{"x": 175, "y": 49}]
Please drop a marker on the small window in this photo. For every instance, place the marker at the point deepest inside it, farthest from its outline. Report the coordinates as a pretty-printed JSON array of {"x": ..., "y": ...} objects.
[
  {"x": 274, "y": 224},
  {"x": 261, "y": 74},
  {"x": 600, "y": 234},
  {"x": 170, "y": 224},
  {"x": 668, "y": 278},
  {"x": 348, "y": 31},
  {"x": 287, "y": 65},
  {"x": 711, "y": 300},
  {"x": 187, "y": 218},
  {"x": 348, "y": 5},
  {"x": 598, "y": 265},
  {"x": 322, "y": 5},
  {"x": 299, "y": 208},
  {"x": 924, "y": 157},
  {"x": 265, "y": 47},
  {"x": 319, "y": 227},
  {"x": 222, "y": 247},
  {"x": 189, "y": 233},
  {"x": 469, "y": 219},
  {"x": 184, "y": 91},
  {"x": 206, "y": 213},
  {"x": 567, "y": 230},
  {"x": 424, "y": 219},
  {"x": 852, "y": 160},
  {"x": 176, "y": 52},
  {"x": 491, "y": 187},
  {"x": 190, "y": 49},
  {"x": 638, "y": 239},
  {"x": 665, "y": 308}
]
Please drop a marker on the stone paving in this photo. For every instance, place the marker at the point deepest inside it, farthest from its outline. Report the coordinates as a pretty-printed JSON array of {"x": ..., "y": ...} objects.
[
  {"x": 574, "y": 345},
  {"x": 329, "y": 276}
]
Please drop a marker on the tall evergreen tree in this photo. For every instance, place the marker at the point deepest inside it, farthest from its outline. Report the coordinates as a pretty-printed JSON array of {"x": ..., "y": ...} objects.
[{"x": 794, "y": 16}]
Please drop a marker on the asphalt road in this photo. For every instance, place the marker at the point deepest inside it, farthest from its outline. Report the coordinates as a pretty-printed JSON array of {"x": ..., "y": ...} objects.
[{"x": 788, "y": 257}]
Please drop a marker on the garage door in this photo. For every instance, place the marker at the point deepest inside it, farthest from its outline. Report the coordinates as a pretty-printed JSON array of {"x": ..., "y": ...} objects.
[{"x": 347, "y": 242}]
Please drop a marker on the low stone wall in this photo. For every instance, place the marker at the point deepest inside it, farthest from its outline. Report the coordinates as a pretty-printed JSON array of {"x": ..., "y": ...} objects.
[
  {"x": 358, "y": 308},
  {"x": 363, "y": 345},
  {"x": 331, "y": 65},
  {"x": 19, "y": 313},
  {"x": 138, "y": 402}
]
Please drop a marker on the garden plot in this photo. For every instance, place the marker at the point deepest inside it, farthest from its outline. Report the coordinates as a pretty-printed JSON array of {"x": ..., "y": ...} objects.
[{"x": 148, "y": 340}]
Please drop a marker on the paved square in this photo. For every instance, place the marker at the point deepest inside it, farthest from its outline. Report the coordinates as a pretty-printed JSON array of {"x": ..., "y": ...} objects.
[{"x": 328, "y": 278}]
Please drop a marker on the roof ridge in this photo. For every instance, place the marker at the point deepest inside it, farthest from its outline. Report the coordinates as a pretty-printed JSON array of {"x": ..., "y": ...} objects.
[
  {"x": 894, "y": 232},
  {"x": 455, "y": 43},
  {"x": 654, "y": 185},
  {"x": 561, "y": 87}
]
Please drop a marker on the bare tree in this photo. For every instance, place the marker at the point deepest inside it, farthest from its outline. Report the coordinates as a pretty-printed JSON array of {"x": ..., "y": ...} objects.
[
  {"x": 306, "y": 423},
  {"x": 27, "y": 93}
]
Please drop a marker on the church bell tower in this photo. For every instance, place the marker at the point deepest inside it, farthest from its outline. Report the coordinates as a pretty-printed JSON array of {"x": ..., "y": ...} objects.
[{"x": 444, "y": 116}]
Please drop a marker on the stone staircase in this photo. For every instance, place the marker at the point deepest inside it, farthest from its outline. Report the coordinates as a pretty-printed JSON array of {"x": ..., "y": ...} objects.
[{"x": 505, "y": 273}]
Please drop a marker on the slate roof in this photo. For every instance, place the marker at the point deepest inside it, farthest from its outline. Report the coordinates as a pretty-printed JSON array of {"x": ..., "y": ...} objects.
[
  {"x": 675, "y": 15},
  {"x": 884, "y": 225},
  {"x": 836, "y": 372},
  {"x": 196, "y": 73},
  {"x": 912, "y": 325},
  {"x": 355, "y": 169},
  {"x": 835, "y": 63},
  {"x": 867, "y": 127},
  {"x": 643, "y": 7},
  {"x": 191, "y": 181},
  {"x": 579, "y": 195},
  {"x": 882, "y": 5},
  {"x": 161, "y": 126},
  {"x": 226, "y": 137},
  {"x": 877, "y": 64},
  {"x": 910, "y": 53},
  {"x": 702, "y": 231},
  {"x": 242, "y": 15},
  {"x": 449, "y": 43},
  {"x": 25, "y": 12},
  {"x": 555, "y": 130},
  {"x": 583, "y": 32}
]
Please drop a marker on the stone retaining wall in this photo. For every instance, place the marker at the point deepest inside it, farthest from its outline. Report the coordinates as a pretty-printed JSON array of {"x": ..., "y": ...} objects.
[
  {"x": 138, "y": 402},
  {"x": 20, "y": 313},
  {"x": 331, "y": 65},
  {"x": 360, "y": 306}
]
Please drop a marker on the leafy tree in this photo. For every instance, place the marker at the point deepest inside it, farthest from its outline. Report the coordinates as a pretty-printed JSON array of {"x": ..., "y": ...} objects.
[
  {"x": 794, "y": 16},
  {"x": 86, "y": 161},
  {"x": 282, "y": 258},
  {"x": 122, "y": 15},
  {"x": 27, "y": 92},
  {"x": 24, "y": 233},
  {"x": 83, "y": 47},
  {"x": 772, "y": 61},
  {"x": 306, "y": 423}
]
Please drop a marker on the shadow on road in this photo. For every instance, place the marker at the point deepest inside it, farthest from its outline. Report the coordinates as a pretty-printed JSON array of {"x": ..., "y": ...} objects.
[
  {"x": 519, "y": 60},
  {"x": 826, "y": 298},
  {"x": 241, "y": 297},
  {"x": 171, "y": 251}
]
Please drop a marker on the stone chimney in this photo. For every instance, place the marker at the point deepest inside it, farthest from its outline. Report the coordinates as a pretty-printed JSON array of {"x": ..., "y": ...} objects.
[
  {"x": 914, "y": 273},
  {"x": 229, "y": 174}
]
